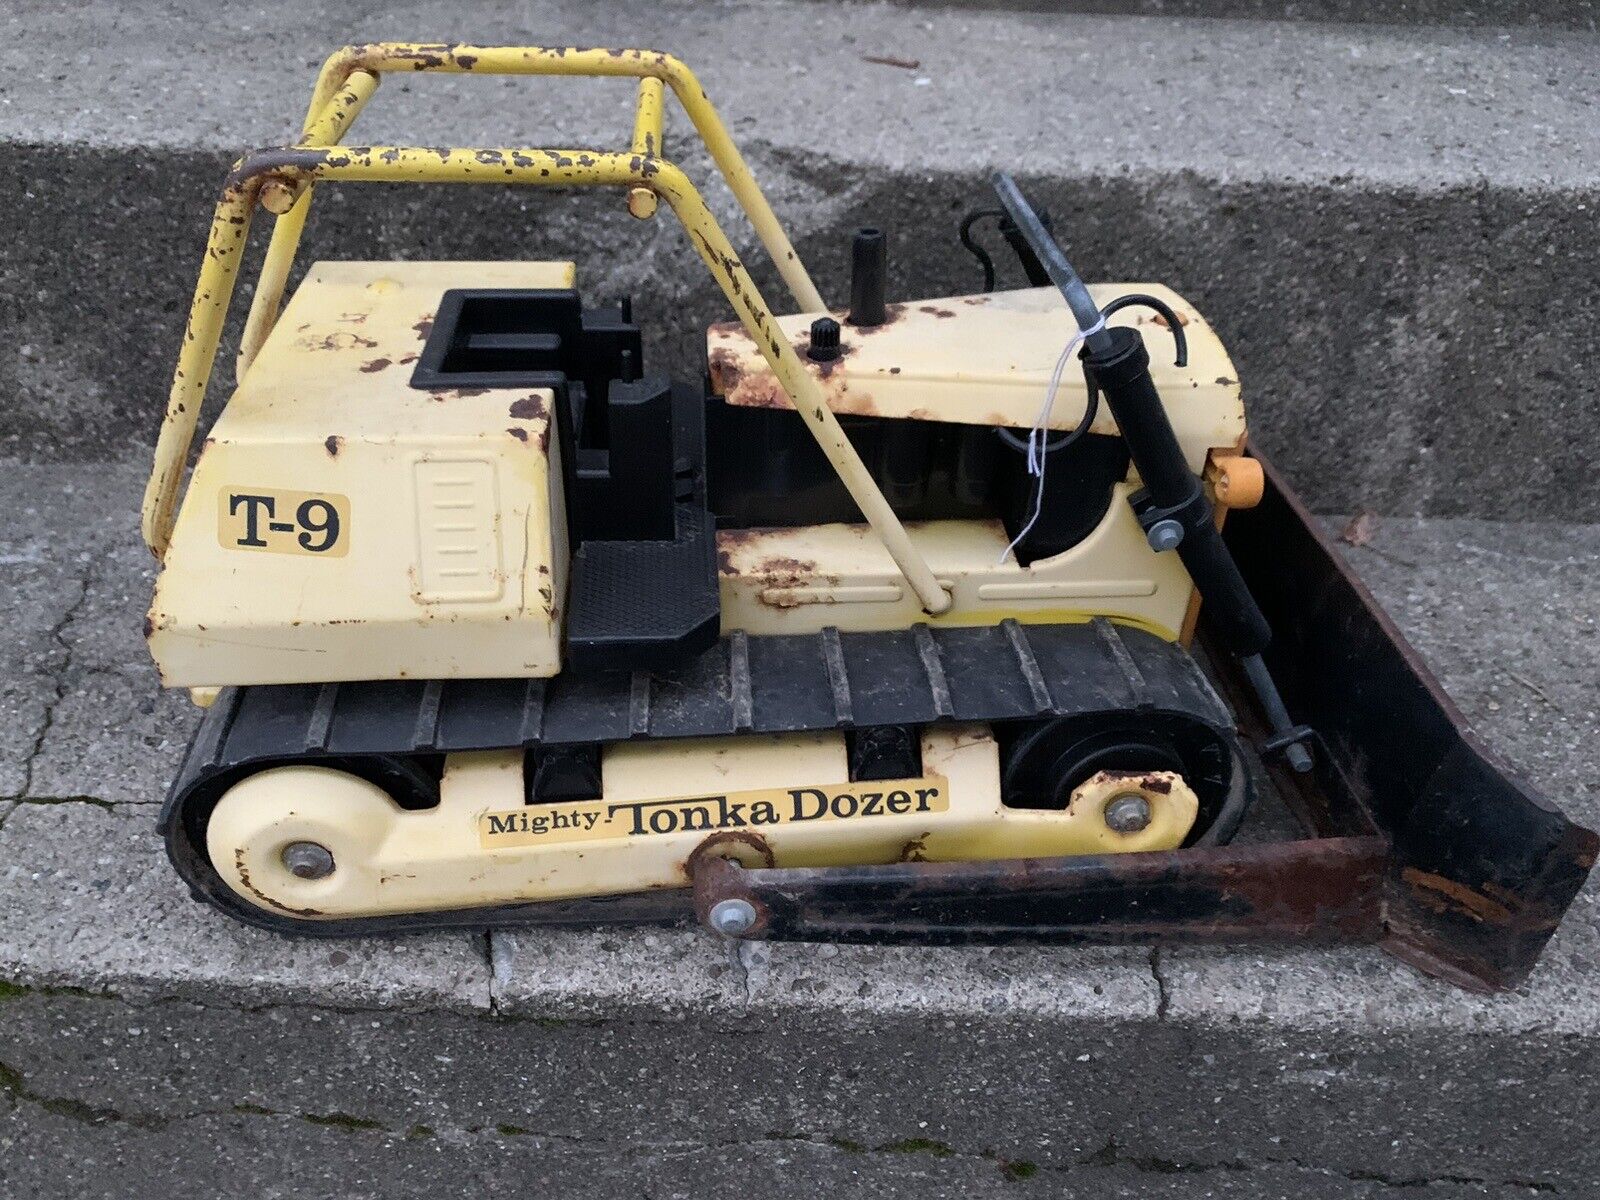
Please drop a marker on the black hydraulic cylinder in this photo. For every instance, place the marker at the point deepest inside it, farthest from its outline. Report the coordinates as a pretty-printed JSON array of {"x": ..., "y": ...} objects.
[
  {"x": 1122, "y": 371},
  {"x": 868, "y": 277},
  {"x": 1176, "y": 515}
]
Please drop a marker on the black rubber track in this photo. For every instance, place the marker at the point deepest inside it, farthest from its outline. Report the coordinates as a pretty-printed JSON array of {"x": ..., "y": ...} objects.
[{"x": 400, "y": 730}]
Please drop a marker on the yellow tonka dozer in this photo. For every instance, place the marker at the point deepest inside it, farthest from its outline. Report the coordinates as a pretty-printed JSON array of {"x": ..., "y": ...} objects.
[{"x": 883, "y": 636}]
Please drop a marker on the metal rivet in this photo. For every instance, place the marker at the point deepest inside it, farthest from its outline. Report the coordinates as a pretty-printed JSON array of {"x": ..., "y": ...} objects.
[
  {"x": 307, "y": 860},
  {"x": 1164, "y": 535},
  {"x": 1127, "y": 813},
  {"x": 277, "y": 195},
  {"x": 732, "y": 917}
]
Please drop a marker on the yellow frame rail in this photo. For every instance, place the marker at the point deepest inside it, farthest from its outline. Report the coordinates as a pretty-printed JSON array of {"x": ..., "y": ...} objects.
[{"x": 281, "y": 180}]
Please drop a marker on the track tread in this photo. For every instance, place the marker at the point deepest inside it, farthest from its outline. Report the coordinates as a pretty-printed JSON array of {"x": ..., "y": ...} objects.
[{"x": 778, "y": 684}]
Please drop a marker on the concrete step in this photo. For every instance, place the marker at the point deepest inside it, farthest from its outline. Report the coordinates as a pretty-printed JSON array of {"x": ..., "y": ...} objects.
[
  {"x": 1560, "y": 14},
  {"x": 1389, "y": 226},
  {"x": 150, "y": 1046}
]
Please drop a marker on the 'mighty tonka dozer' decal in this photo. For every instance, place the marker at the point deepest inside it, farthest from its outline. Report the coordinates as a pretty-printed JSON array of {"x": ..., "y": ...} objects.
[{"x": 542, "y": 825}]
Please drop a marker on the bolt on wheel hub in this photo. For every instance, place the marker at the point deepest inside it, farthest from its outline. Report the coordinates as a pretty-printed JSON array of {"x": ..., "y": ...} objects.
[
  {"x": 1130, "y": 801},
  {"x": 308, "y": 860},
  {"x": 1127, "y": 813}
]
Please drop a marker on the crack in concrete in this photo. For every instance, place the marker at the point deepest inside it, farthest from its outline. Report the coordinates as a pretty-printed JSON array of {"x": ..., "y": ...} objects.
[
  {"x": 1163, "y": 994},
  {"x": 750, "y": 961},
  {"x": 1408, "y": 1182},
  {"x": 10, "y": 804},
  {"x": 14, "y": 1086},
  {"x": 14, "y": 989},
  {"x": 1112, "y": 1155},
  {"x": 56, "y": 634},
  {"x": 498, "y": 958},
  {"x": 740, "y": 970},
  {"x": 146, "y": 999},
  {"x": 96, "y": 801}
]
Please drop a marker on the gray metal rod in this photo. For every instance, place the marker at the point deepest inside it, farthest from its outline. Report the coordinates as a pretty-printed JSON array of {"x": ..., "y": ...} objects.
[
  {"x": 1084, "y": 310},
  {"x": 1266, "y": 690}
]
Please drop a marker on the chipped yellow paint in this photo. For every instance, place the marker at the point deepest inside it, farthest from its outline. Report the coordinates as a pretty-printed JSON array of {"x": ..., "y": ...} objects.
[
  {"x": 302, "y": 165},
  {"x": 648, "y": 137},
  {"x": 391, "y": 860},
  {"x": 326, "y": 126},
  {"x": 452, "y": 555},
  {"x": 803, "y": 579},
  {"x": 987, "y": 359}
]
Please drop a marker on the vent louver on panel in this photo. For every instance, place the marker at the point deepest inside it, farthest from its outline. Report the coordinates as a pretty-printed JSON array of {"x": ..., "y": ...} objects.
[{"x": 458, "y": 532}]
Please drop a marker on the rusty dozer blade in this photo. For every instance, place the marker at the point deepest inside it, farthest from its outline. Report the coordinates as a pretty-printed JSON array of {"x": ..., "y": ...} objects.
[{"x": 1418, "y": 837}]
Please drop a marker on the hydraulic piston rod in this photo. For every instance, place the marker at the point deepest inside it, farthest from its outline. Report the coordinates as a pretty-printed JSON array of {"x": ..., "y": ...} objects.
[{"x": 1178, "y": 515}]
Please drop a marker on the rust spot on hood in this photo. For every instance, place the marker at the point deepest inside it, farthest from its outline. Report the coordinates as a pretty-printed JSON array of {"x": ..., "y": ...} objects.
[
  {"x": 529, "y": 408},
  {"x": 372, "y": 366},
  {"x": 1155, "y": 782},
  {"x": 1148, "y": 781},
  {"x": 773, "y": 570},
  {"x": 781, "y": 577},
  {"x": 342, "y": 340},
  {"x": 783, "y": 571},
  {"x": 725, "y": 370},
  {"x": 332, "y": 445},
  {"x": 758, "y": 387},
  {"x": 732, "y": 540},
  {"x": 891, "y": 314}
]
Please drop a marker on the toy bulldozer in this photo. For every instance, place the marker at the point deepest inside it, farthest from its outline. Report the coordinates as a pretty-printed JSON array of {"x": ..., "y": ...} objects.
[{"x": 967, "y": 619}]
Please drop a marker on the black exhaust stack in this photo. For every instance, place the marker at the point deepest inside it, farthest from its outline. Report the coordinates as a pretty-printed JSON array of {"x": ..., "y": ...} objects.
[{"x": 868, "y": 272}]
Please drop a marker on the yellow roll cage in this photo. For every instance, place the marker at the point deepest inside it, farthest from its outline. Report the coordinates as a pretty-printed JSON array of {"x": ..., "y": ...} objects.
[{"x": 281, "y": 180}]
